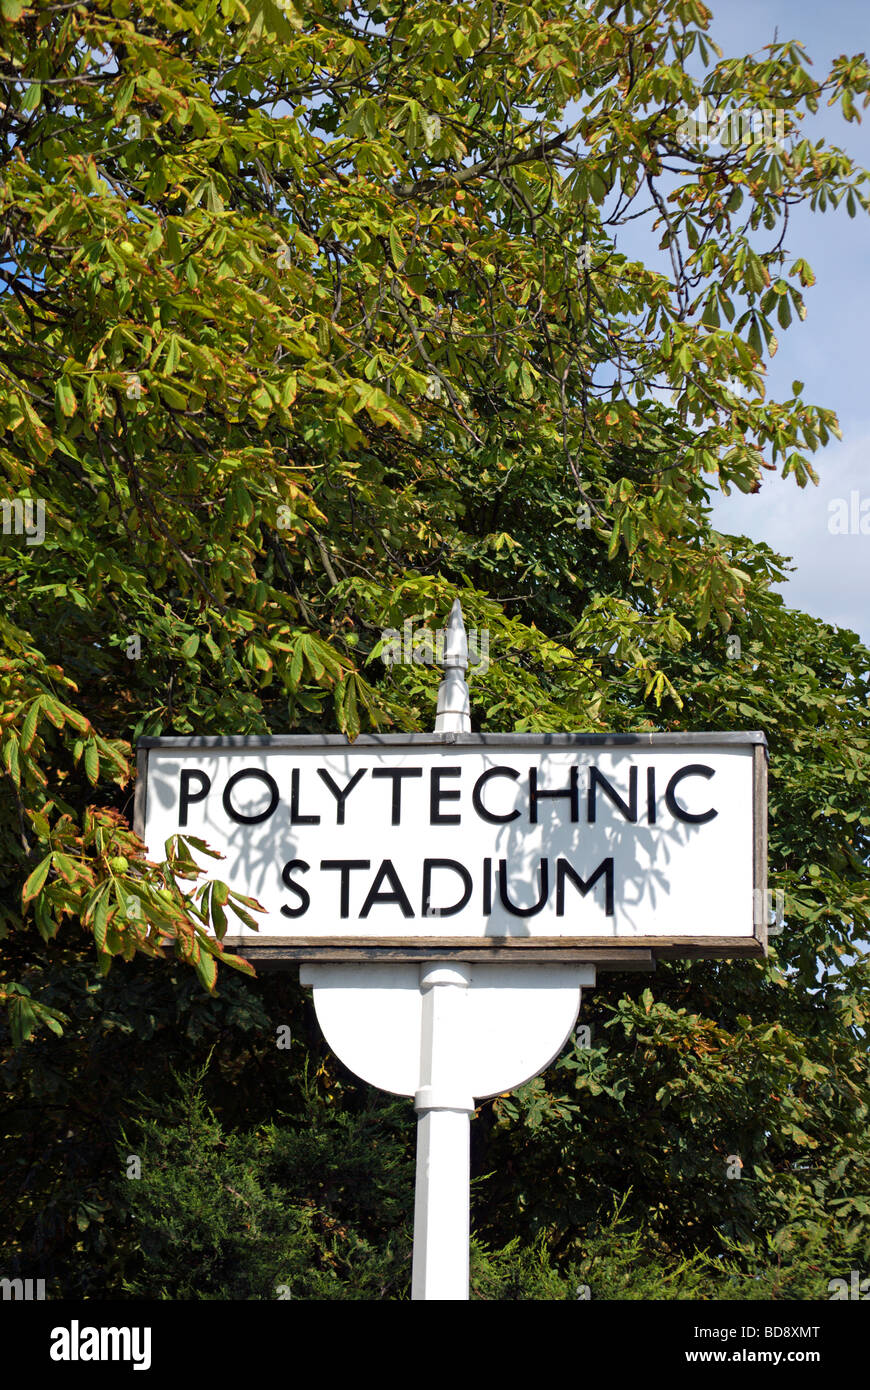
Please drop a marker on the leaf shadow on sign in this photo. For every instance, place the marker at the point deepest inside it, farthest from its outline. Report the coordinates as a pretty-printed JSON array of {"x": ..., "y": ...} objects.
[
  {"x": 592, "y": 851},
  {"x": 538, "y": 866}
]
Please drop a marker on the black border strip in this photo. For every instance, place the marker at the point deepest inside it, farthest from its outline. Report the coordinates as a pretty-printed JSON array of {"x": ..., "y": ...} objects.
[{"x": 641, "y": 740}]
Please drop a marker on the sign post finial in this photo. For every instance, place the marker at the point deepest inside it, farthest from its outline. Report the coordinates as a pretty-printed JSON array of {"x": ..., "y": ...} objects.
[{"x": 453, "y": 713}]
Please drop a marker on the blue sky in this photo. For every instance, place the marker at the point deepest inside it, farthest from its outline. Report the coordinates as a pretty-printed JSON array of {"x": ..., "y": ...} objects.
[{"x": 828, "y": 350}]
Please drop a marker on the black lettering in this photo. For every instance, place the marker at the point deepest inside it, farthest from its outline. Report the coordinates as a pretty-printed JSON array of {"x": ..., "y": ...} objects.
[
  {"x": 456, "y": 868},
  {"x": 397, "y": 773},
  {"x": 487, "y": 883},
  {"x": 535, "y": 795},
  {"x": 296, "y": 887},
  {"x": 544, "y": 873},
  {"x": 477, "y": 799},
  {"x": 436, "y": 796},
  {"x": 295, "y": 817},
  {"x": 564, "y": 870},
  {"x": 185, "y": 798},
  {"x": 597, "y": 779},
  {"x": 651, "y": 795},
  {"x": 344, "y": 866},
  {"x": 676, "y": 810},
  {"x": 274, "y": 797},
  {"x": 340, "y": 796},
  {"x": 396, "y": 894}
]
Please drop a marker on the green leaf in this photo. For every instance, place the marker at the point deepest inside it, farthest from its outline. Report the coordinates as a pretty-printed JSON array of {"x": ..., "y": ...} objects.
[
  {"x": 64, "y": 866},
  {"x": 206, "y": 969},
  {"x": 28, "y": 729},
  {"x": 92, "y": 762},
  {"x": 155, "y": 240},
  {"x": 65, "y": 397},
  {"x": 33, "y": 95},
  {"x": 173, "y": 354},
  {"x": 10, "y": 759},
  {"x": 22, "y": 1020},
  {"x": 176, "y": 399},
  {"x": 35, "y": 881},
  {"x": 398, "y": 250}
]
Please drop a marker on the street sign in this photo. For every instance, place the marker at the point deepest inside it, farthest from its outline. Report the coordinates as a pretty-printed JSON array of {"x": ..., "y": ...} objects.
[
  {"x": 545, "y": 846},
  {"x": 452, "y": 894}
]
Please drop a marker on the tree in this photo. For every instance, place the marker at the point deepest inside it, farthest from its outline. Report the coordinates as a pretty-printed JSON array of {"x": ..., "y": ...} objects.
[{"x": 316, "y": 317}]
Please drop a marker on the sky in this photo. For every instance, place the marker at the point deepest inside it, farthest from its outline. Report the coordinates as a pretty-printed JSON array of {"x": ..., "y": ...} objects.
[{"x": 827, "y": 351}]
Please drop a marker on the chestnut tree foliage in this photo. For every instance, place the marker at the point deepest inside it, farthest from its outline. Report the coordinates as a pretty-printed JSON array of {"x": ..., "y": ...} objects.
[{"x": 314, "y": 316}]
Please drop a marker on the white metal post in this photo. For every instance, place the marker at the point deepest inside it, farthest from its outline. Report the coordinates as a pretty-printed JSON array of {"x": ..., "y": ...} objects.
[
  {"x": 441, "y": 1199},
  {"x": 444, "y": 1107}
]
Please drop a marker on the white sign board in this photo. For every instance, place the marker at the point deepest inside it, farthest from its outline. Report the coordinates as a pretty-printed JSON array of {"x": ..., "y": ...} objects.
[{"x": 552, "y": 841}]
